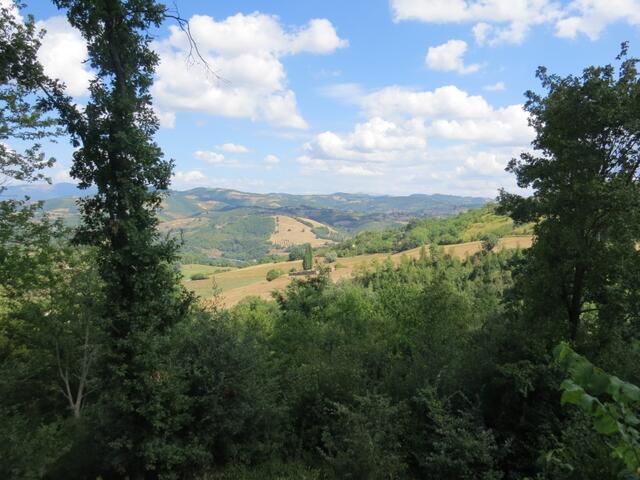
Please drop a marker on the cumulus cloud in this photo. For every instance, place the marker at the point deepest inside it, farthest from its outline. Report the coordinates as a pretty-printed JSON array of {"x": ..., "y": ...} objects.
[
  {"x": 215, "y": 158},
  {"x": 233, "y": 148},
  {"x": 443, "y": 139},
  {"x": 447, "y": 101},
  {"x": 246, "y": 51},
  {"x": 62, "y": 54},
  {"x": 509, "y": 21},
  {"x": 189, "y": 179},
  {"x": 448, "y": 58},
  {"x": 591, "y": 17},
  {"x": 208, "y": 156},
  {"x": 501, "y": 21}
]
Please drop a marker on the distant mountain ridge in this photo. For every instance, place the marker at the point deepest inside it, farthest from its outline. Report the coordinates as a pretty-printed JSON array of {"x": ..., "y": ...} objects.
[
  {"x": 219, "y": 224},
  {"x": 358, "y": 202}
]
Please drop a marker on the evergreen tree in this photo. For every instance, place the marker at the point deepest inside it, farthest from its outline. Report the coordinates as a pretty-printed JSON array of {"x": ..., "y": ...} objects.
[{"x": 307, "y": 259}]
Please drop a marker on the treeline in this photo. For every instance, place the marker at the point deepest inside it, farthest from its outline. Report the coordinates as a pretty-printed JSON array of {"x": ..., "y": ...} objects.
[{"x": 488, "y": 368}]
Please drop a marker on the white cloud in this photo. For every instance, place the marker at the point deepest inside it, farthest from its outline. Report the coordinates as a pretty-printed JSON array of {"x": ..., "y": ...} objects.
[
  {"x": 443, "y": 140},
  {"x": 448, "y": 101},
  {"x": 509, "y": 21},
  {"x": 591, "y": 17},
  {"x": 245, "y": 50},
  {"x": 375, "y": 141},
  {"x": 502, "y": 21},
  {"x": 487, "y": 163},
  {"x": 62, "y": 54},
  {"x": 189, "y": 179},
  {"x": 495, "y": 87},
  {"x": 209, "y": 157},
  {"x": 233, "y": 148},
  {"x": 166, "y": 119},
  {"x": 448, "y": 58}
]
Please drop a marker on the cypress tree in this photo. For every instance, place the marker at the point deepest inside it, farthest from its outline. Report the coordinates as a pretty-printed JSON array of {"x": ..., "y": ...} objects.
[{"x": 307, "y": 260}]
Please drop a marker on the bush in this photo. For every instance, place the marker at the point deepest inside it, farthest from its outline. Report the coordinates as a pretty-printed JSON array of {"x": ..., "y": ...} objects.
[
  {"x": 489, "y": 242},
  {"x": 296, "y": 252},
  {"x": 273, "y": 274},
  {"x": 199, "y": 276},
  {"x": 330, "y": 257}
]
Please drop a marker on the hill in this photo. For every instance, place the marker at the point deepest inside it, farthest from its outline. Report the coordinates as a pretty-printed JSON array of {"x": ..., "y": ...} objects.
[
  {"x": 233, "y": 228},
  {"x": 460, "y": 235}
]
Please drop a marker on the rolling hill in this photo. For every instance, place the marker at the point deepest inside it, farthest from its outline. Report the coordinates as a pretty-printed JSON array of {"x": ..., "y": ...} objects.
[{"x": 228, "y": 227}]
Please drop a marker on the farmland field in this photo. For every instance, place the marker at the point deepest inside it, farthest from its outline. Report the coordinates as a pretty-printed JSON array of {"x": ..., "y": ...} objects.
[{"x": 251, "y": 281}]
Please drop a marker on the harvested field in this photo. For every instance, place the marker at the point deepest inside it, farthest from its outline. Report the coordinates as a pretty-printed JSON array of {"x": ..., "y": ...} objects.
[
  {"x": 251, "y": 281},
  {"x": 290, "y": 231}
]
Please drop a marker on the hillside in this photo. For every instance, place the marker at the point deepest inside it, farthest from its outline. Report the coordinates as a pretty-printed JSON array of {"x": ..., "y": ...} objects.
[
  {"x": 236, "y": 285},
  {"x": 233, "y": 228},
  {"x": 459, "y": 235}
]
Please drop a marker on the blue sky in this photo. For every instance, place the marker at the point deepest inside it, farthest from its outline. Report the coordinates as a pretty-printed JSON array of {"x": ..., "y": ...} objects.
[{"x": 375, "y": 96}]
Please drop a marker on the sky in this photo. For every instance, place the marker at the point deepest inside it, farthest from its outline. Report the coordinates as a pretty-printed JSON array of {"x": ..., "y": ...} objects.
[{"x": 370, "y": 96}]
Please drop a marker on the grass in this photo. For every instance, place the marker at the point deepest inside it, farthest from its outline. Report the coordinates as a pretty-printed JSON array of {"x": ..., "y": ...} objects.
[
  {"x": 189, "y": 269},
  {"x": 289, "y": 231},
  {"x": 490, "y": 223}
]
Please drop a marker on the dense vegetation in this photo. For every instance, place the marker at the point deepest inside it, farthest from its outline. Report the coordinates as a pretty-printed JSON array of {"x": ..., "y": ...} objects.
[
  {"x": 474, "y": 224},
  {"x": 508, "y": 365}
]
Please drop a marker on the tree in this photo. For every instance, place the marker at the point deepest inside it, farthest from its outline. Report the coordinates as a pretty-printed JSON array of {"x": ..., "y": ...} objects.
[
  {"x": 307, "y": 259},
  {"x": 48, "y": 290},
  {"x": 586, "y": 200},
  {"x": 116, "y": 153},
  {"x": 489, "y": 242}
]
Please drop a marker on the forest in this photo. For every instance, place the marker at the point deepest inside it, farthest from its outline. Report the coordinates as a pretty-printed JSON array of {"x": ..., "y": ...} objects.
[{"x": 520, "y": 364}]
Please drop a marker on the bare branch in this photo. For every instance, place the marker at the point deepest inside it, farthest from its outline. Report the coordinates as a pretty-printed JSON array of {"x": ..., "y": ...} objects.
[{"x": 194, "y": 54}]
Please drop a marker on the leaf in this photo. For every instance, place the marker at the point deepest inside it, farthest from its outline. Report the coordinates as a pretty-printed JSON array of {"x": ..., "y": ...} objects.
[
  {"x": 605, "y": 424},
  {"x": 572, "y": 392}
]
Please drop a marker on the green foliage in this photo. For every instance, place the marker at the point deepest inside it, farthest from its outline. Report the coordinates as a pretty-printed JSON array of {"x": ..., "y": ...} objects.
[
  {"x": 489, "y": 242},
  {"x": 587, "y": 227},
  {"x": 307, "y": 259},
  {"x": 330, "y": 256},
  {"x": 296, "y": 252},
  {"x": 467, "y": 226},
  {"x": 116, "y": 152},
  {"x": 273, "y": 274},
  {"x": 457, "y": 445},
  {"x": 198, "y": 276},
  {"x": 364, "y": 440},
  {"x": 611, "y": 403}
]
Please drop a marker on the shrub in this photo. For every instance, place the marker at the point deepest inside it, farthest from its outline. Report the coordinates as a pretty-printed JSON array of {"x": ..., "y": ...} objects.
[
  {"x": 199, "y": 276},
  {"x": 489, "y": 242},
  {"x": 273, "y": 274},
  {"x": 330, "y": 257}
]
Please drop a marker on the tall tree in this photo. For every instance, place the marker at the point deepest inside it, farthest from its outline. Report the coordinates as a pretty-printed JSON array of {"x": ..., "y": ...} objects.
[
  {"x": 584, "y": 173},
  {"x": 117, "y": 154}
]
